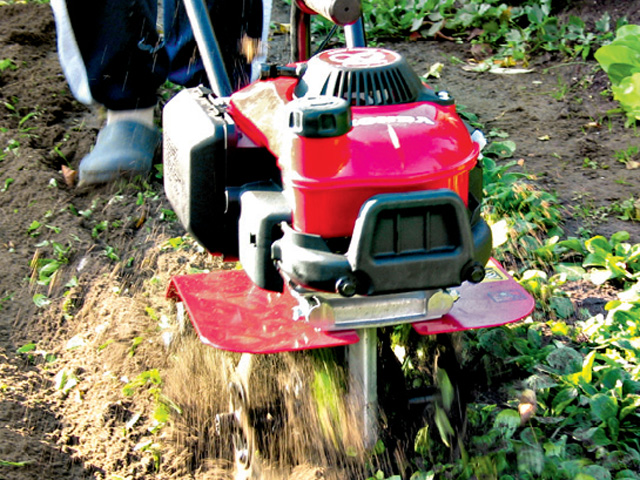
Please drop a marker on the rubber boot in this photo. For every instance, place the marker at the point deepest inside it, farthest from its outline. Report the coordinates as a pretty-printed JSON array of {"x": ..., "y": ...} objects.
[{"x": 124, "y": 147}]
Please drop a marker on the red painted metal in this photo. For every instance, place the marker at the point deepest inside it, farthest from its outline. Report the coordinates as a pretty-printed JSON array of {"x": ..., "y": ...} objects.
[
  {"x": 390, "y": 149},
  {"x": 230, "y": 313},
  {"x": 498, "y": 300}
]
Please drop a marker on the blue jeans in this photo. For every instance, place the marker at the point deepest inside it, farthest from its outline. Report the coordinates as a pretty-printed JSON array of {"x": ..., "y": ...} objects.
[{"x": 126, "y": 59}]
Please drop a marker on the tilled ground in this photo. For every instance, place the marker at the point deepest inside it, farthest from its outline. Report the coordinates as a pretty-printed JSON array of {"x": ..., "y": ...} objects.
[{"x": 99, "y": 323}]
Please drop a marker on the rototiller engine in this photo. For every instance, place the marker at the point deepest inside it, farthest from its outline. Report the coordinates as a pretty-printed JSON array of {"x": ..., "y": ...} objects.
[{"x": 349, "y": 191}]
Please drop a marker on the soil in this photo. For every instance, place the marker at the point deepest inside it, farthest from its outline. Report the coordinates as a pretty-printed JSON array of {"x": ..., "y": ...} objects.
[{"x": 71, "y": 343}]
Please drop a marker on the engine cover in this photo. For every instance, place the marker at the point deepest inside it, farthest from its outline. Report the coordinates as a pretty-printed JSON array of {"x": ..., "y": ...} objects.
[{"x": 401, "y": 136}]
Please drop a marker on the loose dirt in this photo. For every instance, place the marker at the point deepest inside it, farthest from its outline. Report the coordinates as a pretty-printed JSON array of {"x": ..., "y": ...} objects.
[{"x": 81, "y": 400}]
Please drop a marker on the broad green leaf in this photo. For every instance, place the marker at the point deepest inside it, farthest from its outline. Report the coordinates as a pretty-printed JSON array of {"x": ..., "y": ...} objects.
[
  {"x": 560, "y": 328},
  {"x": 613, "y": 428},
  {"x": 586, "y": 374},
  {"x": 563, "y": 398},
  {"x": 621, "y": 236},
  {"x": 596, "y": 471},
  {"x": 629, "y": 409},
  {"x": 562, "y": 306},
  {"x": 627, "y": 475},
  {"x": 504, "y": 149},
  {"x": 565, "y": 360},
  {"x": 620, "y": 53},
  {"x": 531, "y": 436},
  {"x": 573, "y": 271},
  {"x": 530, "y": 459},
  {"x": 616, "y": 265},
  {"x": 571, "y": 244},
  {"x": 603, "y": 406},
  {"x": 555, "y": 449},
  {"x": 600, "y": 437},
  {"x": 628, "y": 94},
  {"x": 611, "y": 377},
  {"x": 629, "y": 31},
  {"x": 598, "y": 244},
  {"x": 507, "y": 422}
]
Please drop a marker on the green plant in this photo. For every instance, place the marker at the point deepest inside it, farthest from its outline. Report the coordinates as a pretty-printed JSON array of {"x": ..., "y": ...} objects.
[
  {"x": 7, "y": 64},
  {"x": 45, "y": 269},
  {"x": 626, "y": 156},
  {"x": 621, "y": 60},
  {"x": 111, "y": 253},
  {"x": 628, "y": 209},
  {"x": 550, "y": 298}
]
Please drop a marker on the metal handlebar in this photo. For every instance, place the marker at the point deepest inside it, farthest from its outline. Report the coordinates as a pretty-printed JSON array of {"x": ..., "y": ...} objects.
[
  {"x": 208, "y": 47},
  {"x": 340, "y": 12}
]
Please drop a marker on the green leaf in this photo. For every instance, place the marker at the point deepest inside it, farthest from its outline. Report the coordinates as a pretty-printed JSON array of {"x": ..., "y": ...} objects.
[
  {"x": 598, "y": 244},
  {"x": 444, "y": 426},
  {"x": 504, "y": 149},
  {"x": 6, "y": 463},
  {"x": 34, "y": 226},
  {"x": 562, "y": 306},
  {"x": 507, "y": 422},
  {"x": 29, "y": 347},
  {"x": 563, "y": 399},
  {"x": 586, "y": 374},
  {"x": 627, "y": 475},
  {"x": 565, "y": 360},
  {"x": 530, "y": 460},
  {"x": 573, "y": 271},
  {"x": 620, "y": 237},
  {"x": 446, "y": 389},
  {"x": 603, "y": 406},
  {"x": 628, "y": 94},
  {"x": 555, "y": 449},
  {"x": 596, "y": 471},
  {"x": 41, "y": 300}
]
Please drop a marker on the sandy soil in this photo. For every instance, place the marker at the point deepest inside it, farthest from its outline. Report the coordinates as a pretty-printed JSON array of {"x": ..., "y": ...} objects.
[{"x": 63, "y": 411}]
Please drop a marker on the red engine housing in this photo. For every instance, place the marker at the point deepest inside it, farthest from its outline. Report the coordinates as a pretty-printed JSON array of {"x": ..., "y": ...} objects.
[{"x": 392, "y": 146}]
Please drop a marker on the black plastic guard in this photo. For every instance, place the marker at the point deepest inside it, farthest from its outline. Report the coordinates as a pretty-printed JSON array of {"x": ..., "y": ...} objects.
[
  {"x": 417, "y": 240},
  {"x": 401, "y": 242}
]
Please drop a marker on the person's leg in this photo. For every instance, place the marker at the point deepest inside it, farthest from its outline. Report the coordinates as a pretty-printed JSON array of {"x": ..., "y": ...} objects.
[
  {"x": 120, "y": 48},
  {"x": 110, "y": 53},
  {"x": 238, "y": 26}
]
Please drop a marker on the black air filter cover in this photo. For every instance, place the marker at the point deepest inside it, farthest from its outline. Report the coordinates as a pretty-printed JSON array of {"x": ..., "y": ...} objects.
[{"x": 363, "y": 76}]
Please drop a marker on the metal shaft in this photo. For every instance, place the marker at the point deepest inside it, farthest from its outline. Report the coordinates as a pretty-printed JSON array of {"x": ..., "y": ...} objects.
[
  {"x": 363, "y": 369},
  {"x": 208, "y": 47},
  {"x": 354, "y": 34}
]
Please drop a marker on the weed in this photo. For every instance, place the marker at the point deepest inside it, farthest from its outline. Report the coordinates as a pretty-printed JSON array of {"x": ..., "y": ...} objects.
[
  {"x": 626, "y": 157},
  {"x": 7, "y": 64},
  {"x": 628, "y": 210},
  {"x": 168, "y": 215},
  {"x": 150, "y": 378},
  {"x": 7, "y": 183},
  {"x": 135, "y": 343},
  {"x": 30, "y": 352},
  {"x": 111, "y": 253},
  {"x": 6, "y": 463},
  {"x": 5, "y": 299},
  {"x": 65, "y": 381}
]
